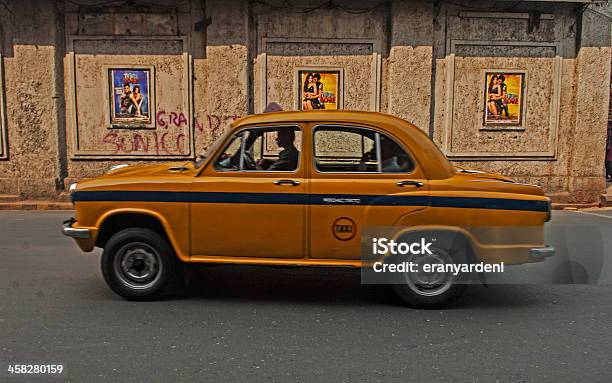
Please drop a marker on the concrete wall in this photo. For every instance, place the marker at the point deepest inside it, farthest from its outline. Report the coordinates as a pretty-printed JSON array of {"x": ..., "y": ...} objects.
[
  {"x": 215, "y": 61},
  {"x": 587, "y": 147},
  {"x": 33, "y": 102},
  {"x": 551, "y": 150}
]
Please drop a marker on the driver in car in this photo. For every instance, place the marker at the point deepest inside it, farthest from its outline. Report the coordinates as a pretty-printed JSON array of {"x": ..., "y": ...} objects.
[{"x": 288, "y": 157}]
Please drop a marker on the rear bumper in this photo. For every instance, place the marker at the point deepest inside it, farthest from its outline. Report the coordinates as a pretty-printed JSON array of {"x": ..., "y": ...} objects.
[
  {"x": 513, "y": 254},
  {"x": 541, "y": 253}
]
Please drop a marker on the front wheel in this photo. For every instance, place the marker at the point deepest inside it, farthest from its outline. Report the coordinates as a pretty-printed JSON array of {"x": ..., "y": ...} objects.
[
  {"x": 139, "y": 264},
  {"x": 433, "y": 289}
]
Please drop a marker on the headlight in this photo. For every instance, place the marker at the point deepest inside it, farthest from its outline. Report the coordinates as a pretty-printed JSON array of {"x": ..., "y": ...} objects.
[{"x": 72, "y": 188}]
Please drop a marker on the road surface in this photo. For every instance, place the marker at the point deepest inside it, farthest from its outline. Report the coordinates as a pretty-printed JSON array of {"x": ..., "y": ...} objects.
[{"x": 243, "y": 324}]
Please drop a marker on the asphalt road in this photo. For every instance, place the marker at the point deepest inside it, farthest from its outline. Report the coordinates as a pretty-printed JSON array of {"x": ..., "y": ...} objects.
[{"x": 243, "y": 324}]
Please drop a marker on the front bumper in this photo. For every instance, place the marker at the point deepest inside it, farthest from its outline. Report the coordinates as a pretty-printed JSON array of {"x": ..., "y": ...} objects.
[
  {"x": 79, "y": 233},
  {"x": 541, "y": 253}
]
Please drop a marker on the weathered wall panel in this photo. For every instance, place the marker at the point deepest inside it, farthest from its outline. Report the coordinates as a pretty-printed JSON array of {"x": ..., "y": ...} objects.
[
  {"x": 410, "y": 62},
  {"x": 170, "y": 134},
  {"x": 322, "y": 38},
  {"x": 356, "y": 58},
  {"x": 163, "y": 40},
  {"x": 31, "y": 97},
  {"x": 3, "y": 145},
  {"x": 227, "y": 65}
]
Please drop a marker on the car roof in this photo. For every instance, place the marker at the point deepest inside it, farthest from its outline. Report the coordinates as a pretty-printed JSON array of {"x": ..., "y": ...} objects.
[
  {"x": 436, "y": 167},
  {"x": 368, "y": 118}
]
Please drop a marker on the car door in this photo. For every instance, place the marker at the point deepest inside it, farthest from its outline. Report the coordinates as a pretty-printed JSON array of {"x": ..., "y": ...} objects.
[
  {"x": 250, "y": 201},
  {"x": 361, "y": 179}
]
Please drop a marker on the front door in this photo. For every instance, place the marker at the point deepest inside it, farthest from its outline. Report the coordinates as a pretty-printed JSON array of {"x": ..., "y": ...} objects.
[
  {"x": 250, "y": 201},
  {"x": 362, "y": 180}
]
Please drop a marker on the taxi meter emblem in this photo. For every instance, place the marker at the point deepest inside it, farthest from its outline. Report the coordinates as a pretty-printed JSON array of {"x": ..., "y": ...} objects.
[{"x": 344, "y": 229}]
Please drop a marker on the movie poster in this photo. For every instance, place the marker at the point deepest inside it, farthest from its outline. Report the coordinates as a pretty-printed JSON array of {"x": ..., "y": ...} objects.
[
  {"x": 504, "y": 98},
  {"x": 130, "y": 96},
  {"x": 319, "y": 89}
]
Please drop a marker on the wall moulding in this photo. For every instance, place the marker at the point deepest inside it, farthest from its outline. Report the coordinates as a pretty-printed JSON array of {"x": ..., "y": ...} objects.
[
  {"x": 92, "y": 134},
  {"x": 3, "y": 129},
  {"x": 505, "y": 15},
  {"x": 548, "y": 148}
]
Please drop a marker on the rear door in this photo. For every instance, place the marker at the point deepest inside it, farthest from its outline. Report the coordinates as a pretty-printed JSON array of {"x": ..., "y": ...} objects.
[{"x": 361, "y": 178}]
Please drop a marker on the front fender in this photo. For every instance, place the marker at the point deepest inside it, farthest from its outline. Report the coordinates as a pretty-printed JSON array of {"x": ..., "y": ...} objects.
[{"x": 174, "y": 230}]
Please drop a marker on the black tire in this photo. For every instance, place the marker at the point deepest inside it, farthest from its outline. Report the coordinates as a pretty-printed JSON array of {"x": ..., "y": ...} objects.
[
  {"x": 412, "y": 299},
  {"x": 439, "y": 296},
  {"x": 139, "y": 264}
]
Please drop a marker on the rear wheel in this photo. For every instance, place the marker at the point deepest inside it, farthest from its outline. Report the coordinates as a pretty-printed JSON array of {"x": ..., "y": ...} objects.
[
  {"x": 139, "y": 264},
  {"x": 435, "y": 289}
]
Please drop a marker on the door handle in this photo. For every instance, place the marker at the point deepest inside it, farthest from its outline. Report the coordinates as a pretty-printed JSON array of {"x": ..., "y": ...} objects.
[
  {"x": 417, "y": 184},
  {"x": 286, "y": 182}
]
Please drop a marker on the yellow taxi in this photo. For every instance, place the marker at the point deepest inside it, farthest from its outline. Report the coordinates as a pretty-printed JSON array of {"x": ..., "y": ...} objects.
[{"x": 304, "y": 189}]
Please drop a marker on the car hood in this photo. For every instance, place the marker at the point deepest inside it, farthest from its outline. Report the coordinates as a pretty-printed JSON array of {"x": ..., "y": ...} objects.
[
  {"x": 149, "y": 170},
  {"x": 478, "y": 174},
  {"x": 494, "y": 182}
]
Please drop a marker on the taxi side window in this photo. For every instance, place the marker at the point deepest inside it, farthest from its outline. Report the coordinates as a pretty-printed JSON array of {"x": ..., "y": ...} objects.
[
  {"x": 347, "y": 149},
  {"x": 262, "y": 149}
]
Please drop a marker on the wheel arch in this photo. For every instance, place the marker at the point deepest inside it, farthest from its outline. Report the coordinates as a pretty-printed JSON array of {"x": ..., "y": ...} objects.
[
  {"x": 116, "y": 220},
  {"x": 460, "y": 236}
]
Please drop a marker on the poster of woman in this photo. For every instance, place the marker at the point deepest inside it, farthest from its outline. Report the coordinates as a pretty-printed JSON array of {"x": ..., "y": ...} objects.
[
  {"x": 503, "y": 98},
  {"x": 130, "y": 96},
  {"x": 318, "y": 89}
]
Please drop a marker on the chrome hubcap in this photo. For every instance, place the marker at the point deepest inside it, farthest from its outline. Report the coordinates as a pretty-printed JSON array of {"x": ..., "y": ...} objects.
[
  {"x": 137, "y": 265},
  {"x": 431, "y": 283}
]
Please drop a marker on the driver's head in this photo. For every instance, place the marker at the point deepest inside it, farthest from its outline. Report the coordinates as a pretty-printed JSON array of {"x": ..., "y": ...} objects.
[{"x": 285, "y": 137}]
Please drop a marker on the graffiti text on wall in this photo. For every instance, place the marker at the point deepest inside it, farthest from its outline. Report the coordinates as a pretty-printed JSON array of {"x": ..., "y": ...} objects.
[
  {"x": 212, "y": 122},
  {"x": 168, "y": 142},
  {"x": 153, "y": 143}
]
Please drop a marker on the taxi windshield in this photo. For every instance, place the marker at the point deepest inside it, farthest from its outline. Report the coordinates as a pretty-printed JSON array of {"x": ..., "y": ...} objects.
[{"x": 211, "y": 149}]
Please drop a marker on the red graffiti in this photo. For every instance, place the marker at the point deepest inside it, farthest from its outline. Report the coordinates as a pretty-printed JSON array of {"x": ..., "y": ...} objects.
[
  {"x": 155, "y": 143},
  {"x": 165, "y": 120},
  {"x": 113, "y": 139},
  {"x": 214, "y": 122},
  {"x": 138, "y": 142},
  {"x": 178, "y": 119},
  {"x": 167, "y": 142},
  {"x": 198, "y": 125},
  {"x": 160, "y": 117},
  {"x": 180, "y": 141},
  {"x": 110, "y": 138}
]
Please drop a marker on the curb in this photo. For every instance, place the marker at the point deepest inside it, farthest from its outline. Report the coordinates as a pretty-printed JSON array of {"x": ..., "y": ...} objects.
[
  {"x": 574, "y": 206},
  {"x": 36, "y": 205}
]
